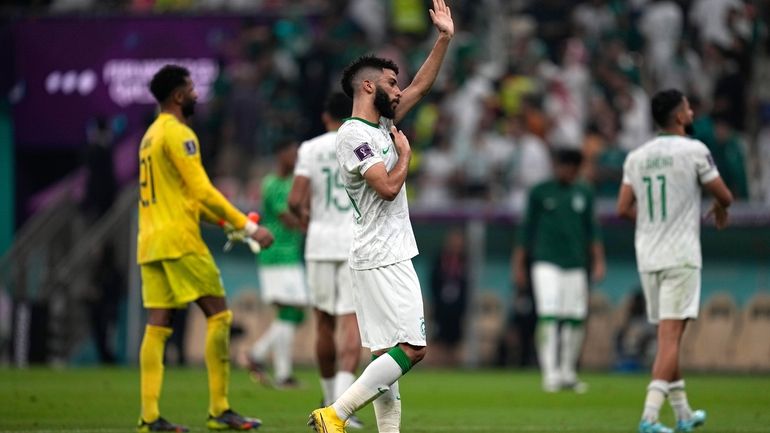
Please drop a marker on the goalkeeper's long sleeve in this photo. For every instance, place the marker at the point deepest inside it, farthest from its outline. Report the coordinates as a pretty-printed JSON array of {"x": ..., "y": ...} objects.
[
  {"x": 200, "y": 187},
  {"x": 209, "y": 216}
]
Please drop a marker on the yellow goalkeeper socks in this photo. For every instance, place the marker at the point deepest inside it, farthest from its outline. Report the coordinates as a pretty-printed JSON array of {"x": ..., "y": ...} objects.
[
  {"x": 218, "y": 360},
  {"x": 151, "y": 369}
]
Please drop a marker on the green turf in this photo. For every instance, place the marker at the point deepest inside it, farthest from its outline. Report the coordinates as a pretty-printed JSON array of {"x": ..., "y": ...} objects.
[{"x": 107, "y": 400}]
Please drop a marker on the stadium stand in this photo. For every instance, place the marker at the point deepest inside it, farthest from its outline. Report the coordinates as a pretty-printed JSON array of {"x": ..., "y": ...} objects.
[
  {"x": 598, "y": 350},
  {"x": 710, "y": 342},
  {"x": 752, "y": 345}
]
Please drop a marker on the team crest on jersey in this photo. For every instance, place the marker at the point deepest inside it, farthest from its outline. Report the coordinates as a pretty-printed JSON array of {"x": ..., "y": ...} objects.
[
  {"x": 578, "y": 203},
  {"x": 190, "y": 147},
  {"x": 363, "y": 151}
]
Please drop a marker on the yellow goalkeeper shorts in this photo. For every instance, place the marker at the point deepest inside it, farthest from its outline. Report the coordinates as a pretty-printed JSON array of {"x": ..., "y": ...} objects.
[{"x": 174, "y": 283}]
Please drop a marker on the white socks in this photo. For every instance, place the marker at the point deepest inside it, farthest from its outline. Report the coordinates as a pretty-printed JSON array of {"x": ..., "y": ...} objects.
[
  {"x": 387, "y": 410},
  {"x": 334, "y": 387},
  {"x": 342, "y": 381},
  {"x": 656, "y": 395},
  {"x": 374, "y": 381},
  {"x": 657, "y": 391},
  {"x": 283, "y": 346},
  {"x": 571, "y": 343},
  {"x": 327, "y": 388},
  {"x": 262, "y": 346},
  {"x": 547, "y": 345},
  {"x": 280, "y": 337},
  {"x": 678, "y": 399}
]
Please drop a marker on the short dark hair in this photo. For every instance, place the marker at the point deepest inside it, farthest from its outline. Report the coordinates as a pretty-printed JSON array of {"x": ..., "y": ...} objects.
[
  {"x": 283, "y": 144},
  {"x": 663, "y": 104},
  {"x": 166, "y": 80},
  {"x": 338, "y": 106},
  {"x": 567, "y": 156},
  {"x": 368, "y": 61}
]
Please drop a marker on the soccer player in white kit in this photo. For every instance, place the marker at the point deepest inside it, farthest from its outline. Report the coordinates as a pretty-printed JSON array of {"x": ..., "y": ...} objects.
[
  {"x": 374, "y": 160},
  {"x": 661, "y": 191},
  {"x": 318, "y": 198}
]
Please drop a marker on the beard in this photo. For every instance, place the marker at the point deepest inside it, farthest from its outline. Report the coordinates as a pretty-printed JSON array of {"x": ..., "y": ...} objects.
[
  {"x": 689, "y": 130},
  {"x": 188, "y": 108},
  {"x": 383, "y": 104}
]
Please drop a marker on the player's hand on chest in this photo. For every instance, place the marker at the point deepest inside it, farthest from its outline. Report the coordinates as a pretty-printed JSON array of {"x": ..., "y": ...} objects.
[{"x": 385, "y": 147}]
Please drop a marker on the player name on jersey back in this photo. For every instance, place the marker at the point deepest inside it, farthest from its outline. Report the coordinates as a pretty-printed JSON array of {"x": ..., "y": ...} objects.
[{"x": 666, "y": 174}]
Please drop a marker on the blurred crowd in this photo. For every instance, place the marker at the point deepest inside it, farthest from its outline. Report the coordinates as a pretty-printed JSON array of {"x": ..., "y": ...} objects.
[{"x": 524, "y": 77}]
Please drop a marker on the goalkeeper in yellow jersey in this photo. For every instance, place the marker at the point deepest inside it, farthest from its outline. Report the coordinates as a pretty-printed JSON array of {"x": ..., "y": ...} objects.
[{"x": 176, "y": 266}]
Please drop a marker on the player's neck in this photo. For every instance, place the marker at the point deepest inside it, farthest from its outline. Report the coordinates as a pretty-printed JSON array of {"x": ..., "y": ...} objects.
[
  {"x": 674, "y": 130},
  {"x": 174, "y": 111},
  {"x": 284, "y": 171},
  {"x": 365, "y": 110}
]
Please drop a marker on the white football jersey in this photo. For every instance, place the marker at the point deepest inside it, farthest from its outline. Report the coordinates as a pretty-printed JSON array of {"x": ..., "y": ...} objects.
[
  {"x": 383, "y": 232},
  {"x": 330, "y": 231},
  {"x": 666, "y": 174}
]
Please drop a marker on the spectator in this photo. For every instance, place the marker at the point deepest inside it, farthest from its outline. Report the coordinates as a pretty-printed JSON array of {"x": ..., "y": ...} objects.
[
  {"x": 529, "y": 164},
  {"x": 439, "y": 175},
  {"x": 710, "y": 19},
  {"x": 108, "y": 292},
  {"x": 727, "y": 151},
  {"x": 101, "y": 185},
  {"x": 594, "y": 19},
  {"x": 449, "y": 290},
  {"x": 661, "y": 25}
]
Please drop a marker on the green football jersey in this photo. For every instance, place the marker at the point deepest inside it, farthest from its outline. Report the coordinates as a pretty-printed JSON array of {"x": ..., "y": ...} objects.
[
  {"x": 287, "y": 247},
  {"x": 560, "y": 225}
]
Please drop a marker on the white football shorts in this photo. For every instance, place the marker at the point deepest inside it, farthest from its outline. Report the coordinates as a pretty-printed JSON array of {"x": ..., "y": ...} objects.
[
  {"x": 560, "y": 293},
  {"x": 672, "y": 293},
  {"x": 388, "y": 304},
  {"x": 331, "y": 286},
  {"x": 283, "y": 284}
]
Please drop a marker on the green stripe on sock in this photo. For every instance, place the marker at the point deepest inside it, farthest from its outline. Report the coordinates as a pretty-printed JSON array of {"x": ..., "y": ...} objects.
[
  {"x": 401, "y": 359},
  {"x": 291, "y": 314},
  {"x": 547, "y": 319},
  {"x": 574, "y": 322},
  {"x": 374, "y": 356}
]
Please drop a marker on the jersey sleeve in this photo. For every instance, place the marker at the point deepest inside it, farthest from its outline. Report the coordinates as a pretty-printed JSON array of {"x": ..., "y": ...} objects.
[
  {"x": 302, "y": 168},
  {"x": 208, "y": 216},
  {"x": 704, "y": 163},
  {"x": 182, "y": 149},
  {"x": 356, "y": 152}
]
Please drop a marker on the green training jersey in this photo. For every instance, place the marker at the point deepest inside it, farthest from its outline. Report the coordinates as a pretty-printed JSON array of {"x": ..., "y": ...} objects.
[
  {"x": 287, "y": 247},
  {"x": 560, "y": 225}
]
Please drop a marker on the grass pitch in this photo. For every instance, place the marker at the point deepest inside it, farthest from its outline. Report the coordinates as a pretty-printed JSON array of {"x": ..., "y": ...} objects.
[{"x": 102, "y": 400}]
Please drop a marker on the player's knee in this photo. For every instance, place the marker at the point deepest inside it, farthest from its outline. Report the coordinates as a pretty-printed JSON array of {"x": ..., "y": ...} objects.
[{"x": 415, "y": 353}]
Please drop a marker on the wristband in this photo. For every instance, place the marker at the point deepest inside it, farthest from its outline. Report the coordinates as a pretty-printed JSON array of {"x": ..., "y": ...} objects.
[{"x": 250, "y": 228}]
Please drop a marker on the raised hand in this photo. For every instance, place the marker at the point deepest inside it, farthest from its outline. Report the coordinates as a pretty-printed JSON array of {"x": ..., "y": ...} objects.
[{"x": 442, "y": 18}]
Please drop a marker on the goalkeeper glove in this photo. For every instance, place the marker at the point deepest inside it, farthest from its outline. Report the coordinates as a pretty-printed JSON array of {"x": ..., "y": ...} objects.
[{"x": 242, "y": 235}]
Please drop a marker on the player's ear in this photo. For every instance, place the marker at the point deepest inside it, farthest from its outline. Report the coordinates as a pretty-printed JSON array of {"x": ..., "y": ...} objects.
[
  {"x": 680, "y": 117},
  {"x": 368, "y": 86},
  {"x": 178, "y": 95}
]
